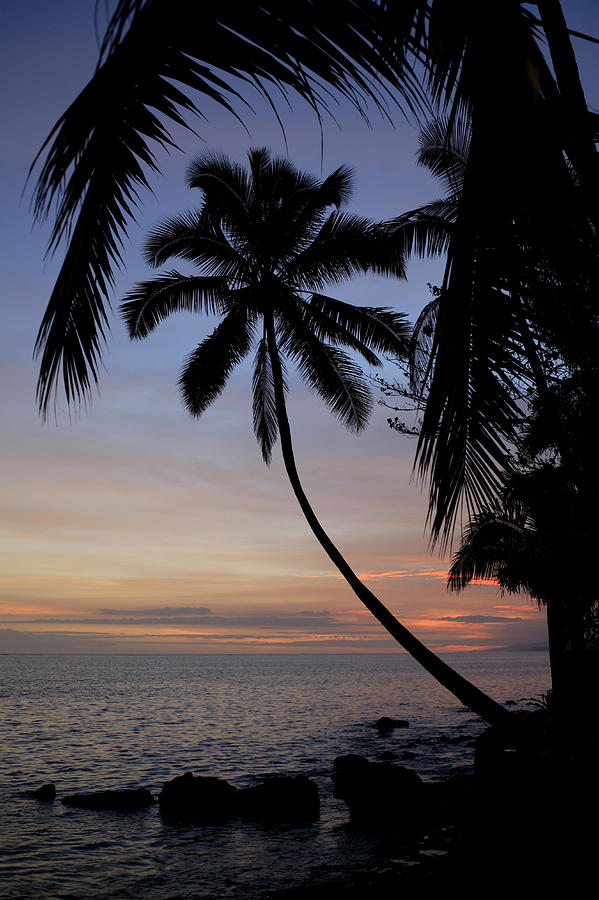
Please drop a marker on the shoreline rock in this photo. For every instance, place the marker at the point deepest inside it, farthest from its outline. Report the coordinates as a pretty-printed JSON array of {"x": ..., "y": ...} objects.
[
  {"x": 385, "y": 724},
  {"x": 381, "y": 793},
  {"x": 277, "y": 799},
  {"x": 46, "y": 793},
  {"x": 201, "y": 797}
]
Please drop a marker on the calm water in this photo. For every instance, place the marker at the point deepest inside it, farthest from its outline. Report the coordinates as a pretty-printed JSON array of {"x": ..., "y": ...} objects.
[{"x": 97, "y": 722}]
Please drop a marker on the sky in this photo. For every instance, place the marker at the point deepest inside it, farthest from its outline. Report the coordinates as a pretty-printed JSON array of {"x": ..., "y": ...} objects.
[{"x": 130, "y": 527}]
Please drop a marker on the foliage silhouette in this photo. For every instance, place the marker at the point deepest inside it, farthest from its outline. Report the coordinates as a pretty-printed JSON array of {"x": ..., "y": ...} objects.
[
  {"x": 530, "y": 128},
  {"x": 528, "y": 216},
  {"x": 267, "y": 245},
  {"x": 536, "y": 529},
  {"x": 541, "y": 537}
]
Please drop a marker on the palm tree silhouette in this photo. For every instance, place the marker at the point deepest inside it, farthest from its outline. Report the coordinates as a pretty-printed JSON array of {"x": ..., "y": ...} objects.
[
  {"x": 531, "y": 130},
  {"x": 527, "y": 313},
  {"x": 268, "y": 243},
  {"x": 540, "y": 537}
]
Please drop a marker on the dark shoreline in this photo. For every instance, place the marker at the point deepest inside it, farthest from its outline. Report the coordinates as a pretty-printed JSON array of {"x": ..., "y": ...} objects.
[{"x": 524, "y": 823}]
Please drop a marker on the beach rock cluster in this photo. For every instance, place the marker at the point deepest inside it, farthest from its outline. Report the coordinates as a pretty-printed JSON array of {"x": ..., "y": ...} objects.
[
  {"x": 386, "y": 724},
  {"x": 386, "y": 795},
  {"x": 46, "y": 793},
  {"x": 376, "y": 792},
  {"x": 200, "y": 798},
  {"x": 276, "y": 799}
]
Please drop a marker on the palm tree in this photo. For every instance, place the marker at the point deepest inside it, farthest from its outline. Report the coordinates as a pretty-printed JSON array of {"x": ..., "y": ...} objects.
[
  {"x": 531, "y": 129},
  {"x": 529, "y": 531},
  {"x": 267, "y": 244},
  {"x": 530, "y": 125},
  {"x": 536, "y": 539},
  {"x": 160, "y": 57}
]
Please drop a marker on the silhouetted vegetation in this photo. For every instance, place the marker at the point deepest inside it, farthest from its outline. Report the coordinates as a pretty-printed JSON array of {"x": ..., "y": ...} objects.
[
  {"x": 514, "y": 326},
  {"x": 267, "y": 242},
  {"x": 532, "y": 523}
]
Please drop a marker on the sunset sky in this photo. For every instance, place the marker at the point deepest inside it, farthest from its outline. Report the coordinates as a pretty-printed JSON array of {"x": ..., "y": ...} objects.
[{"x": 130, "y": 526}]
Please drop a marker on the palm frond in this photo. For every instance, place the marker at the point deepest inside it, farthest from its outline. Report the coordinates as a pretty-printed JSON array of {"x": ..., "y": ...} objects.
[
  {"x": 103, "y": 139},
  {"x": 327, "y": 370},
  {"x": 225, "y": 186},
  {"x": 475, "y": 367},
  {"x": 152, "y": 301},
  {"x": 421, "y": 347},
  {"x": 380, "y": 329},
  {"x": 330, "y": 331},
  {"x": 206, "y": 370},
  {"x": 197, "y": 237},
  {"x": 305, "y": 210},
  {"x": 345, "y": 246},
  {"x": 443, "y": 150},
  {"x": 337, "y": 188},
  {"x": 490, "y": 540},
  {"x": 471, "y": 411},
  {"x": 425, "y": 231},
  {"x": 264, "y": 408}
]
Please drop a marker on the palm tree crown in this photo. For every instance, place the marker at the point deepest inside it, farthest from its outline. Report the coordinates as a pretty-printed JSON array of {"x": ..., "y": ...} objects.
[{"x": 267, "y": 242}]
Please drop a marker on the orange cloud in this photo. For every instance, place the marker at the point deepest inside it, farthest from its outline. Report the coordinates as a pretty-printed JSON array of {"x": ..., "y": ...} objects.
[
  {"x": 529, "y": 608},
  {"x": 463, "y": 648},
  {"x": 437, "y": 574}
]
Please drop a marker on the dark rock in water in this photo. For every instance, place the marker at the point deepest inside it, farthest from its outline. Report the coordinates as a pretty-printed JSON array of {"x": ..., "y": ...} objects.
[
  {"x": 281, "y": 799},
  {"x": 385, "y": 724},
  {"x": 206, "y": 799},
  {"x": 118, "y": 800},
  {"x": 201, "y": 797},
  {"x": 351, "y": 762},
  {"x": 378, "y": 793},
  {"x": 46, "y": 793}
]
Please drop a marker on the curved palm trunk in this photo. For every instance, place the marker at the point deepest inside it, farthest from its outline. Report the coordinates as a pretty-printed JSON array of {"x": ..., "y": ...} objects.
[{"x": 464, "y": 690}]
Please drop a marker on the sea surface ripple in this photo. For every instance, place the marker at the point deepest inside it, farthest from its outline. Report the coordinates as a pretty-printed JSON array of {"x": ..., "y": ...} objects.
[{"x": 94, "y": 722}]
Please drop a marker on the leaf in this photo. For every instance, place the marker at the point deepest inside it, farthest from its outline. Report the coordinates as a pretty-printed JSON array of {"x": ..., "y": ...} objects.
[
  {"x": 264, "y": 408},
  {"x": 152, "y": 301},
  {"x": 206, "y": 370}
]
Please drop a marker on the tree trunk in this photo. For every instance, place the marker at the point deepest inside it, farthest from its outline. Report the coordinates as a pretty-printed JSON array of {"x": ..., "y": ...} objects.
[
  {"x": 574, "y": 106},
  {"x": 573, "y": 680},
  {"x": 465, "y": 691}
]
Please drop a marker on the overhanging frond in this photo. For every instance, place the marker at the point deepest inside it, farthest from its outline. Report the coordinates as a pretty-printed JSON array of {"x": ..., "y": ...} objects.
[
  {"x": 443, "y": 150},
  {"x": 471, "y": 411},
  {"x": 490, "y": 542},
  {"x": 425, "y": 231}
]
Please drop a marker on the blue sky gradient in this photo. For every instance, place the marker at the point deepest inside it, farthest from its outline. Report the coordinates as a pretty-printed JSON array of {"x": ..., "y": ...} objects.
[{"x": 131, "y": 527}]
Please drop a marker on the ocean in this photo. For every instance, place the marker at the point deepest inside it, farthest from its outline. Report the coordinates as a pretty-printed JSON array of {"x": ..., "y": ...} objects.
[{"x": 95, "y": 722}]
